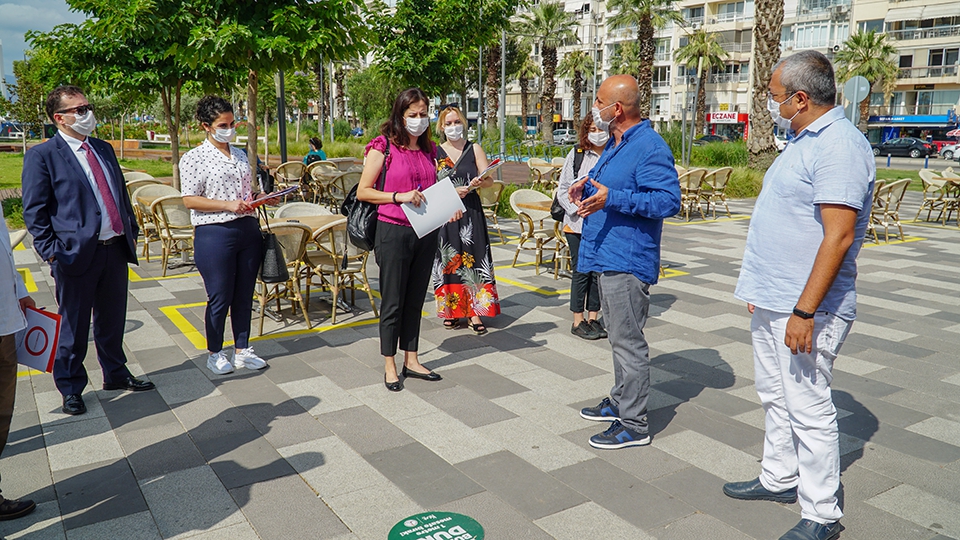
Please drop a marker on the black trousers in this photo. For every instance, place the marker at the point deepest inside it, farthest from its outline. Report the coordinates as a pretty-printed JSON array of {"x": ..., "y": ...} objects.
[
  {"x": 228, "y": 256},
  {"x": 584, "y": 288},
  {"x": 405, "y": 263}
]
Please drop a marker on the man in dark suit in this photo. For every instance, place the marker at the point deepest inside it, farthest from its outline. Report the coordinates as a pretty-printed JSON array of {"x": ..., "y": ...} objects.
[{"x": 78, "y": 211}]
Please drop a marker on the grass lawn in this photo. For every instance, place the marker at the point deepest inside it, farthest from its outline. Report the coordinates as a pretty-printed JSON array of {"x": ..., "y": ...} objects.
[{"x": 11, "y": 165}]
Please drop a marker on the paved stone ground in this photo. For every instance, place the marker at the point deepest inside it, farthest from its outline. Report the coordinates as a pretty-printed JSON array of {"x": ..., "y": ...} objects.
[{"x": 315, "y": 447}]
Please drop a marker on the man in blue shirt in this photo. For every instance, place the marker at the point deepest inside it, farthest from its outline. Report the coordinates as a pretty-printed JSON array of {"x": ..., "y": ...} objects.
[
  {"x": 798, "y": 278},
  {"x": 624, "y": 200}
]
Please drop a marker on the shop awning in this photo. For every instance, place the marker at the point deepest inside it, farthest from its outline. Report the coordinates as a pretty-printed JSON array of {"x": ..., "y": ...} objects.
[
  {"x": 904, "y": 14},
  {"x": 942, "y": 10}
]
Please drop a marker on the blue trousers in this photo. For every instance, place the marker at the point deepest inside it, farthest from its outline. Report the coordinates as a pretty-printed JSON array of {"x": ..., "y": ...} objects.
[{"x": 228, "y": 257}]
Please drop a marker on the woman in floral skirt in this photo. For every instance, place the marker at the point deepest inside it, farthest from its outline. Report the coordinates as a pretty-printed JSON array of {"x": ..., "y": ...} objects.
[{"x": 463, "y": 279}]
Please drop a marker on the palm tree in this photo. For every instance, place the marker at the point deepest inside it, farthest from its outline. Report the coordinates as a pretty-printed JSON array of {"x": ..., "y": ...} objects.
[
  {"x": 548, "y": 26},
  {"x": 528, "y": 71},
  {"x": 625, "y": 59},
  {"x": 647, "y": 16},
  {"x": 492, "y": 82},
  {"x": 701, "y": 45},
  {"x": 869, "y": 55},
  {"x": 767, "y": 20},
  {"x": 576, "y": 65}
]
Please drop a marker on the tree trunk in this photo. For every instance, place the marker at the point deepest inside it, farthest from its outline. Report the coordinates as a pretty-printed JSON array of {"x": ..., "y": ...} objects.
[
  {"x": 318, "y": 73},
  {"x": 252, "y": 127},
  {"x": 122, "y": 138},
  {"x": 864, "y": 115},
  {"x": 266, "y": 136},
  {"x": 766, "y": 53},
  {"x": 339, "y": 76},
  {"x": 702, "y": 103},
  {"x": 170, "y": 96},
  {"x": 524, "y": 100},
  {"x": 648, "y": 49},
  {"x": 493, "y": 84},
  {"x": 577, "y": 96},
  {"x": 549, "y": 89}
]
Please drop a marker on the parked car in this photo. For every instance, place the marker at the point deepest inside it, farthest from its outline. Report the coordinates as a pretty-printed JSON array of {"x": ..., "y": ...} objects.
[
  {"x": 781, "y": 143},
  {"x": 904, "y": 146},
  {"x": 949, "y": 151},
  {"x": 356, "y": 132},
  {"x": 710, "y": 139},
  {"x": 564, "y": 136}
]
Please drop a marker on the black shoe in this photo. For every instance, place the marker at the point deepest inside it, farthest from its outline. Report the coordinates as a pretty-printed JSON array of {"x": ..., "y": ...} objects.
[
  {"x": 425, "y": 376},
  {"x": 811, "y": 530},
  {"x": 395, "y": 386},
  {"x": 598, "y": 328},
  {"x": 130, "y": 383},
  {"x": 73, "y": 404},
  {"x": 585, "y": 330},
  {"x": 15, "y": 508},
  {"x": 604, "y": 412},
  {"x": 753, "y": 490}
]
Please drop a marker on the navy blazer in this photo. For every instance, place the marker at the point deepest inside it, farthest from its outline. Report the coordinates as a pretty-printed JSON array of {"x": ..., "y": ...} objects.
[{"x": 60, "y": 208}]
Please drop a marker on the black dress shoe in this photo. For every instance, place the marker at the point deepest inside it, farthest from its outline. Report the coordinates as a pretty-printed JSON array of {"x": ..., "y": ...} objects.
[
  {"x": 425, "y": 376},
  {"x": 753, "y": 490},
  {"x": 395, "y": 386},
  {"x": 73, "y": 404},
  {"x": 14, "y": 508},
  {"x": 130, "y": 383}
]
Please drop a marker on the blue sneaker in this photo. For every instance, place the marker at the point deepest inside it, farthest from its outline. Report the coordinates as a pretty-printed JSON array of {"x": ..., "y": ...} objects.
[
  {"x": 811, "y": 530},
  {"x": 604, "y": 412},
  {"x": 618, "y": 436}
]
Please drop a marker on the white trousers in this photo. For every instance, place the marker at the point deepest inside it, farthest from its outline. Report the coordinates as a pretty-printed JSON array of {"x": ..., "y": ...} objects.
[{"x": 801, "y": 447}]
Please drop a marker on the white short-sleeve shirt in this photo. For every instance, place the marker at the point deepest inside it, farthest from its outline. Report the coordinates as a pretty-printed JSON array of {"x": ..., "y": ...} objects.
[{"x": 206, "y": 172}]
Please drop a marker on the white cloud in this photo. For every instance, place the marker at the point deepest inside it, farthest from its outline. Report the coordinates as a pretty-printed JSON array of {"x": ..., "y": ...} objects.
[{"x": 16, "y": 18}]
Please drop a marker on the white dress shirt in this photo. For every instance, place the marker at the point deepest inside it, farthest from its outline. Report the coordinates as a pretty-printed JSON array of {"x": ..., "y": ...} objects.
[
  {"x": 206, "y": 172},
  {"x": 12, "y": 288},
  {"x": 106, "y": 228}
]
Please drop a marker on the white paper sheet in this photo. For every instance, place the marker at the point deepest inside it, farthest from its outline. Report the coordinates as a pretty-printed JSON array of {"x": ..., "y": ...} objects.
[
  {"x": 440, "y": 203},
  {"x": 39, "y": 346}
]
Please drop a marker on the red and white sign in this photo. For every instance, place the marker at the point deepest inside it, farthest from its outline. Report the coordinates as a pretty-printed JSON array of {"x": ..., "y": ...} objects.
[
  {"x": 725, "y": 117},
  {"x": 39, "y": 347}
]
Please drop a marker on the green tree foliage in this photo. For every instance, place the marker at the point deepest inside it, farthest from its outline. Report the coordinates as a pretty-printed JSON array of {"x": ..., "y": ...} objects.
[
  {"x": 548, "y": 26},
  {"x": 701, "y": 51},
  {"x": 371, "y": 92},
  {"x": 869, "y": 55},
  {"x": 647, "y": 16},
  {"x": 526, "y": 73},
  {"x": 27, "y": 95},
  {"x": 577, "y": 66},
  {"x": 625, "y": 59}
]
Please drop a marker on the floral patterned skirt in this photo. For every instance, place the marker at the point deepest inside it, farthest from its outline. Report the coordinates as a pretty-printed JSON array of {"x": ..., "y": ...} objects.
[{"x": 463, "y": 280}]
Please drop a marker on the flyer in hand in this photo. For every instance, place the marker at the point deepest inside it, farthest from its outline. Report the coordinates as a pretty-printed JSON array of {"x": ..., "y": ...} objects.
[{"x": 266, "y": 198}]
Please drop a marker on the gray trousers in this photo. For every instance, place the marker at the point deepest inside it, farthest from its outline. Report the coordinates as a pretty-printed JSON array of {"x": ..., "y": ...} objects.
[{"x": 625, "y": 301}]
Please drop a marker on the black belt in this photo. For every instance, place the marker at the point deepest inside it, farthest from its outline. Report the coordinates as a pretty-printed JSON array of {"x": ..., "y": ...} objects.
[{"x": 111, "y": 240}]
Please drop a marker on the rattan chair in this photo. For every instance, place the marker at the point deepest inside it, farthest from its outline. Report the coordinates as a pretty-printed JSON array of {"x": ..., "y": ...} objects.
[
  {"x": 888, "y": 198},
  {"x": 141, "y": 210},
  {"x": 490, "y": 201},
  {"x": 136, "y": 175},
  {"x": 296, "y": 209},
  {"x": 713, "y": 189},
  {"x": 174, "y": 226},
  {"x": 339, "y": 265},
  {"x": 288, "y": 174},
  {"x": 531, "y": 224},
  {"x": 690, "y": 192},
  {"x": 293, "y": 239}
]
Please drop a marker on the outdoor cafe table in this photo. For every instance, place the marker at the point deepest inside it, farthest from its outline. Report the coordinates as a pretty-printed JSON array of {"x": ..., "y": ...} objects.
[{"x": 314, "y": 222}]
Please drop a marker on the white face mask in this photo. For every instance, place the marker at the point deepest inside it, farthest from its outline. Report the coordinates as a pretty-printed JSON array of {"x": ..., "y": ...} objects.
[
  {"x": 84, "y": 124},
  {"x": 598, "y": 138},
  {"x": 416, "y": 126},
  {"x": 773, "y": 107},
  {"x": 224, "y": 135},
  {"x": 454, "y": 132},
  {"x": 602, "y": 125}
]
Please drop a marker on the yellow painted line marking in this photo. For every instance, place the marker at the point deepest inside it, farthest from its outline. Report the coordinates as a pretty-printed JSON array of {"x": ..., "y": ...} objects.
[
  {"x": 134, "y": 277},
  {"x": 28, "y": 279},
  {"x": 707, "y": 221},
  {"x": 29, "y": 373},
  {"x": 20, "y": 247},
  {"x": 668, "y": 273},
  {"x": 929, "y": 224},
  {"x": 871, "y": 243}
]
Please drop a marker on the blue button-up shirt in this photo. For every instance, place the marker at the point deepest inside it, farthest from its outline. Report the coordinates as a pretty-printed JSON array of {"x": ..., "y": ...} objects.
[
  {"x": 643, "y": 189},
  {"x": 829, "y": 162}
]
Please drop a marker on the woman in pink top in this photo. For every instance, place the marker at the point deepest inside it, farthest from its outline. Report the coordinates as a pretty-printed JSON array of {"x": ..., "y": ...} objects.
[{"x": 405, "y": 261}]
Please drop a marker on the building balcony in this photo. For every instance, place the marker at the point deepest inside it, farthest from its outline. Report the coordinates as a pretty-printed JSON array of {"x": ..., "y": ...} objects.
[
  {"x": 726, "y": 78},
  {"x": 661, "y": 57},
  {"x": 685, "y": 79},
  {"x": 737, "y": 47},
  {"x": 917, "y": 109},
  {"x": 661, "y": 86},
  {"x": 792, "y": 45},
  {"x": 940, "y": 73},
  {"x": 925, "y": 33},
  {"x": 731, "y": 17},
  {"x": 695, "y": 20}
]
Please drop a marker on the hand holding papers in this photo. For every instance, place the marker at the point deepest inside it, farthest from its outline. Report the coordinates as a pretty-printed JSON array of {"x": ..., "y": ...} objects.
[
  {"x": 440, "y": 203},
  {"x": 39, "y": 346},
  {"x": 270, "y": 196},
  {"x": 494, "y": 165}
]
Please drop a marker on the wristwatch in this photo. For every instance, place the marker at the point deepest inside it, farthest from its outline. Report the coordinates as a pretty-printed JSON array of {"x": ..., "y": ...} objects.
[{"x": 802, "y": 314}]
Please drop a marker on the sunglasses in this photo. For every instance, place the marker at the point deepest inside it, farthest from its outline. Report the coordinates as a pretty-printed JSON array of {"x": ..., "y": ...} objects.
[{"x": 81, "y": 110}]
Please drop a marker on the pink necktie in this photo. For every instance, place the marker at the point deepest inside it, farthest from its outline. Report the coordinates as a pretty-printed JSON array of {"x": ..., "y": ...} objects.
[{"x": 108, "y": 202}]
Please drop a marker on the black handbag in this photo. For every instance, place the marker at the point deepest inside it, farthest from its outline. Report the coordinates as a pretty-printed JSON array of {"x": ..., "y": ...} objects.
[
  {"x": 273, "y": 267},
  {"x": 362, "y": 215}
]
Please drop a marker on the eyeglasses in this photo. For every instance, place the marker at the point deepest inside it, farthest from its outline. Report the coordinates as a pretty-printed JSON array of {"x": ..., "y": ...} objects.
[
  {"x": 771, "y": 96},
  {"x": 82, "y": 109}
]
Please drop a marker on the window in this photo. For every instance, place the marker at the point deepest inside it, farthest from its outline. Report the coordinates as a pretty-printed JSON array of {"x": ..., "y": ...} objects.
[
  {"x": 875, "y": 24},
  {"x": 660, "y": 104},
  {"x": 662, "y": 53},
  {"x": 730, "y": 12},
  {"x": 661, "y": 77},
  {"x": 811, "y": 35},
  {"x": 942, "y": 57},
  {"x": 693, "y": 15},
  {"x": 906, "y": 61}
]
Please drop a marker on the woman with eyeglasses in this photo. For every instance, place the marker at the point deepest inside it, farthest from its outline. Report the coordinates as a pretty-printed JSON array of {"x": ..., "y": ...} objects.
[
  {"x": 463, "y": 280},
  {"x": 215, "y": 181},
  {"x": 405, "y": 149}
]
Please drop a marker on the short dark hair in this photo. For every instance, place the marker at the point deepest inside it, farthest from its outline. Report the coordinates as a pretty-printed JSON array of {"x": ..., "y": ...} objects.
[
  {"x": 395, "y": 129},
  {"x": 584, "y": 131},
  {"x": 316, "y": 143},
  {"x": 811, "y": 72},
  {"x": 52, "y": 104},
  {"x": 210, "y": 107}
]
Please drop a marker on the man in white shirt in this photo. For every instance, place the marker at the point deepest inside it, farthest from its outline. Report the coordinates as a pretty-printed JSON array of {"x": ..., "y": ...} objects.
[{"x": 13, "y": 301}]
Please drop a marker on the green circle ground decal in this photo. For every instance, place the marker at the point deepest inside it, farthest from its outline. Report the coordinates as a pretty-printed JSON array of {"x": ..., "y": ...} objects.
[{"x": 437, "y": 526}]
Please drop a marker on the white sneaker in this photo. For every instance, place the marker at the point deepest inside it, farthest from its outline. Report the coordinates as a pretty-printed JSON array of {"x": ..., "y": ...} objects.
[
  {"x": 246, "y": 358},
  {"x": 219, "y": 363}
]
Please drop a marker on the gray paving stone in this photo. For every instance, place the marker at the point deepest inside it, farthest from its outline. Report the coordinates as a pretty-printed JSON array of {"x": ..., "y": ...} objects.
[
  {"x": 583, "y": 521},
  {"x": 467, "y": 406},
  {"x": 97, "y": 492},
  {"x": 207, "y": 507},
  {"x": 562, "y": 364},
  {"x": 646, "y": 465},
  {"x": 43, "y": 524},
  {"x": 138, "y": 526},
  {"x": 364, "y": 430},
  {"x": 287, "y": 508},
  {"x": 698, "y": 526},
  {"x": 496, "y": 517},
  {"x": 160, "y": 449},
  {"x": 865, "y": 522},
  {"x": 701, "y": 419},
  {"x": 27, "y": 475},
  {"x": 347, "y": 372},
  {"x": 289, "y": 368},
  {"x": 80, "y": 443},
  {"x": 243, "y": 458},
  {"x": 862, "y": 386},
  {"x": 422, "y": 475},
  {"x": 183, "y": 385},
  {"x": 132, "y": 411},
  {"x": 513, "y": 479},
  {"x": 483, "y": 381}
]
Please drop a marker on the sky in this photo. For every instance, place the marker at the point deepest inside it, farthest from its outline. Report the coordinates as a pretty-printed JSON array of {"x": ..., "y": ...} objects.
[{"x": 19, "y": 16}]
